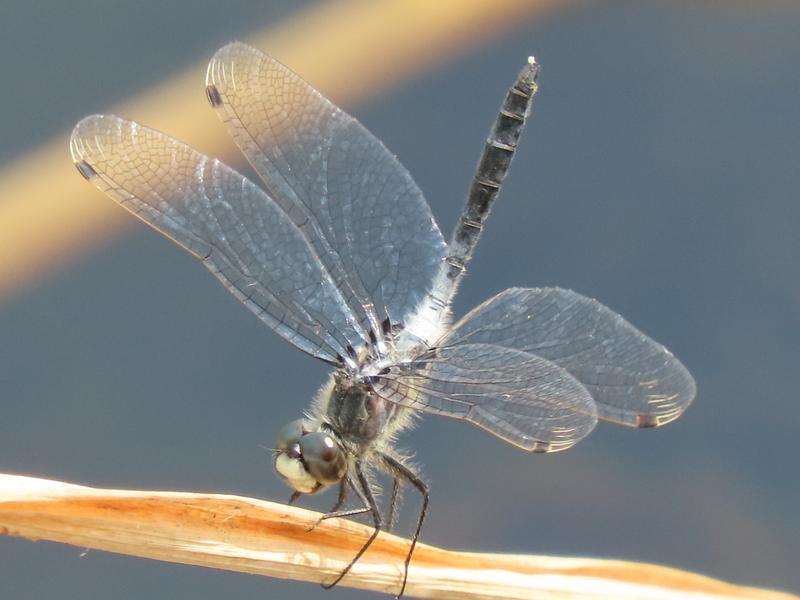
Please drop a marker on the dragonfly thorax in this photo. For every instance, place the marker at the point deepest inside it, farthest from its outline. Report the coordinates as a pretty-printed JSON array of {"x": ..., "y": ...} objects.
[{"x": 354, "y": 411}]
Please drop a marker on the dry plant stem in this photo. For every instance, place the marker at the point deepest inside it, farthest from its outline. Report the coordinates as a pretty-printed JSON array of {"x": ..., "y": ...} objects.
[{"x": 265, "y": 538}]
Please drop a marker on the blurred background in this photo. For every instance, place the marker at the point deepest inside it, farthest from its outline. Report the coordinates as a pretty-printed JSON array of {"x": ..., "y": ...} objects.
[{"x": 659, "y": 175}]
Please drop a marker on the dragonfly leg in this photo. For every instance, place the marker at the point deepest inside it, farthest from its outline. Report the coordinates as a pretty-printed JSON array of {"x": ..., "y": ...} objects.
[
  {"x": 334, "y": 513},
  {"x": 391, "y": 513},
  {"x": 400, "y": 470},
  {"x": 364, "y": 493},
  {"x": 335, "y": 509}
]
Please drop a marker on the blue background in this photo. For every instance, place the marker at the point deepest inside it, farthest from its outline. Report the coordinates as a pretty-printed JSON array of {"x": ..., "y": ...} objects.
[{"x": 659, "y": 175}]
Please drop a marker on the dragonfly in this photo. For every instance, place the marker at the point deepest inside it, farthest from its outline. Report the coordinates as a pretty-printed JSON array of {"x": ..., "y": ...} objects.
[{"x": 339, "y": 254}]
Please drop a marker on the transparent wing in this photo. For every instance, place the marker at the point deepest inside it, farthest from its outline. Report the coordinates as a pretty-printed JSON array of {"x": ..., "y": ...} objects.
[
  {"x": 239, "y": 233},
  {"x": 358, "y": 206},
  {"x": 524, "y": 399},
  {"x": 634, "y": 380}
]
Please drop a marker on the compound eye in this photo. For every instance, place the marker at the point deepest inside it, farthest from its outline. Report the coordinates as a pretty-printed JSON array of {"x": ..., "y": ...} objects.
[
  {"x": 289, "y": 436},
  {"x": 323, "y": 457}
]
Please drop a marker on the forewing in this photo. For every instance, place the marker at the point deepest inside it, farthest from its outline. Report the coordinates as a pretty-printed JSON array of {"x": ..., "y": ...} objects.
[
  {"x": 522, "y": 398},
  {"x": 357, "y": 205},
  {"x": 634, "y": 380},
  {"x": 237, "y": 231}
]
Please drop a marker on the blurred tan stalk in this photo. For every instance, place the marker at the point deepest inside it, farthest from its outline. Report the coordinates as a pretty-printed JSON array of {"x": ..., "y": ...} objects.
[
  {"x": 265, "y": 538},
  {"x": 349, "y": 49}
]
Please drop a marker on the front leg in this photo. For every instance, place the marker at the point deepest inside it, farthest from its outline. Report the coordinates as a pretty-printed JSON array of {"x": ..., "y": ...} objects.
[{"x": 340, "y": 500}]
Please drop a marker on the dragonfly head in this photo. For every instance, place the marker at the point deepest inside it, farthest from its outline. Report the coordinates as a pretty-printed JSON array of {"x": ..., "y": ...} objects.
[{"x": 308, "y": 460}]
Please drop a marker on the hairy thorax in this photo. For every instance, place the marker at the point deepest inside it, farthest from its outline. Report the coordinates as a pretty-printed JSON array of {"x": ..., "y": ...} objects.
[{"x": 357, "y": 414}]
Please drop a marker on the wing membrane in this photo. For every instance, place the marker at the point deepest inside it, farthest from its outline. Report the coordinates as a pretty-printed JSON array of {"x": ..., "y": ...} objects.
[
  {"x": 634, "y": 380},
  {"x": 237, "y": 231},
  {"x": 519, "y": 397},
  {"x": 357, "y": 205}
]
